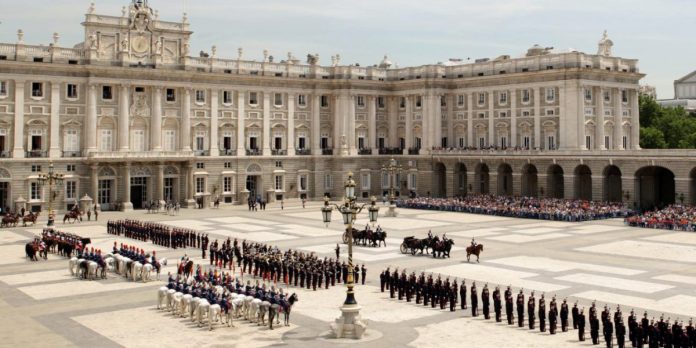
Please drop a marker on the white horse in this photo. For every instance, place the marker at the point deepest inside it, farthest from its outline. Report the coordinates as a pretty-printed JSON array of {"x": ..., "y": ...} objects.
[
  {"x": 238, "y": 305},
  {"x": 214, "y": 313},
  {"x": 202, "y": 310},
  {"x": 147, "y": 269},
  {"x": 183, "y": 306},
  {"x": 193, "y": 305},
  {"x": 92, "y": 270},
  {"x": 248, "y": 310},
  {"x": 122, "y": 266},
  {"x": 161, "y": 296},
  {"x": 110, "y": 263},
  {"x": 255, "y": 310},
  {"x": 170, "y": 299},
  {"x": 263, "y": 309},
  {"x": 136, "y": 270},
  {"x": 74, "y": 264}
]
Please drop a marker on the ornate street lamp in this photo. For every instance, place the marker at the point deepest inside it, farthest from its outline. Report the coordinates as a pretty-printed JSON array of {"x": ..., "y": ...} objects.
[
  {"x": 392, "y": 169},
  {"x": 349, "y": 324},
  {"x": 51, "y": 178}
]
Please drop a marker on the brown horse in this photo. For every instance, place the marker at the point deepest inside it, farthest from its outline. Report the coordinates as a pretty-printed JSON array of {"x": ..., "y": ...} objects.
[
  {"x": 72, "y": 215},
  {"x": 31, "y": 217},
  {"x": 474, "y": 250},
  {"x": 10, "y": 220}
]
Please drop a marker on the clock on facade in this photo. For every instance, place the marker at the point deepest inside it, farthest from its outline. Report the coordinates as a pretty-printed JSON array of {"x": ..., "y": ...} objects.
[{"x": 140, "y": 44}]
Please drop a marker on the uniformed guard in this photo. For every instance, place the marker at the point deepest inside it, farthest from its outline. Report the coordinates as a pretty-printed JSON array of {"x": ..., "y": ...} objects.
[
  {"x": 575, "y": 314},
  {"x": 594, "y": 329},
  {"x": 497, "y": 305},
  {"x": 564, "y": 315},
  {"x": 542, "y": 314},
  {"x": 581, "y": 325},
  {"x": 553, "y": 317},
  {"x": 608, "y": 332},
  {"x": 620, "y": 333},
  {"x": 520, "y": 308},
  {"x": 531, "y": 310},
  {"x": 508, "y": 305},
  {"x": 363, "y": 272},
  {"x": 381, "y": 281},
  {"x": 485, "y": 300},
  {"x": 474, "y": 300},
  {"x": 462, "y": 294}
]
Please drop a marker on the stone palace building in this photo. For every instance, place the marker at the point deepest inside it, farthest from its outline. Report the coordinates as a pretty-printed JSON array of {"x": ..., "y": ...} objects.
[{"x": 131, "y": 116}]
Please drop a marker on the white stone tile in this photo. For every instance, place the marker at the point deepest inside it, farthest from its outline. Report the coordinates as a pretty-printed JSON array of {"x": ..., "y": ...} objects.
[
  {"x": 247, "y": 227},
  {"x": 518, "y": 239},
  {"x": 677, "y": 278},
  {"x": 495, "y": 275},
  {"x": 198, "y": 225},
  {"x": 463, "y": 217},
  {"x": 534, "y": 230},
  {"x": 679, "y": 304},
  {"x": 7, "y": 237},
  {"x": 38, "y": 277},
  {"x": 253, "y": 236},
  {"x": 162, "y": 330},
  {"x": 645, "y": 250},
  {"x": 240, "y": 220},
  {"x": 679, "y": 237},
  {"x": 555, "y": 265},
  {"x": 78, "y": 287},
  {"x": 12, "y": 254},
  {"x": 591, "y": 229},
  {"x": 615, "y": 283},
  {"x": 310, "y": 231},
  {"x": 478, "y": 232},
  {"x": 546, "y": 223},
  {"x": 402, "y": 223}
]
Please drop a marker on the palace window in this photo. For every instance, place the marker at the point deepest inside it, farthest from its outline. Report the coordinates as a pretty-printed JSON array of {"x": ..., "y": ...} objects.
[
  {"x": 402, "y": 103},
  {"x": 36, "y": 168},
  {"x": 361, "y": 101},
  {"x": 443, "y": 101},
  {"x": 106, "y": 140},
  {"x": 550, "y": 94},
  {"x": 588, "y": 94},
  {"x": 71, "y": 140},
  {"x": 550, "y": 112},
  {"x": 35, "y": 194},
  {"x": 625, "y": 142},
  {"x": 200, "y": 185},
  {"x": 277, "y": 99},
  {"x": 460, "y": 100},
  {"x": 525, "y": 113},
  {"x": 328, "y": 182},
  {"x": 227, "y": 184},
  {"x": 71, "y": 92},
  {"x": 171, "y": 95},
  {"x": 228, "y": 165},
  {"x": 200, "y": 140},
  {"x": 37, "y": 89},
  {"x": 462, "y": 142},
  {"x": 70, "y": 168},
  {"x": 138, "y": 140},
  {"x": 380, "y": 102},
  {"x": 588, "y": 142},
  {"x": 169, "y": 140},
  {"x": 481, "y": 98},
  {"x": 607, "y": 96},
  {"x": 3, "y": 88},
  {"x": 412, "y": 180},
  {"x": 303, "y": 182},
  {"x": 503, "y": 97},
  {"x": 279, "y": 182},
  {"x": 419, "y": 101},
  {"x": 200, "y": 96},
  {"x": 365, "y": 181},
  {"x": 527, "y": 142},
  {"x": 551, "y": 142},
  {"x": 302, "y": 100},
  {"x": 227, "y": 97},
  {"x": 525, "y": 96},
  {"x": 70, "y": 190},
  {"x": 253, "y": 98},
  {"x": 107, "y": 93},
  {"x": 624, "y": 96},
  {"x": 324, "y": 101}
]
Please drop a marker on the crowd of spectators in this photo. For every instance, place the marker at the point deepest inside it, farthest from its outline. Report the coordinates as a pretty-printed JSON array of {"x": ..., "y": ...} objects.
[
  {"x": 673, "y": 217},
  {"x": 523, "y": 207}
]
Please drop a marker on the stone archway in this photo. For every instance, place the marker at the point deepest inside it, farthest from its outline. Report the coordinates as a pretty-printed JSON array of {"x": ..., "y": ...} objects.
[
  {"x": 439, "y": 180},
  {"x": 529, "y": 181},
  {"x": 482, "y": 179},
  {"x": 505, "y": 180},
  {"x": 655, "y": 187},
  {"x": 613, "y": 190},
  {"x": 583, "y": 182},
  {"x": 554, "y": 182},
  {"x": 460, "y": 180}
]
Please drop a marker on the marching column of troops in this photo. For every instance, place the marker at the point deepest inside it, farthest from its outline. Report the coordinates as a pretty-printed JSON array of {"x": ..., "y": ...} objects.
[
  {"x": 436, "y": 292},
  {"x": 159, "y": 234}
]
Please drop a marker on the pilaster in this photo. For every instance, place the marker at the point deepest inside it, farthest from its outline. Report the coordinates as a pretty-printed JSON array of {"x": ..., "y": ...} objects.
[{"x": 54, "y": 132}]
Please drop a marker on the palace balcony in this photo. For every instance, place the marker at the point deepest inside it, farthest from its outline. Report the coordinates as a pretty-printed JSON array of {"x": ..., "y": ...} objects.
[
  {"x": 327, "y": 152},
  {"x": 391, "y": 151},
  {"x": 279, "y": 152},
  {"x": 36, "y": 154},
  {"x": 253, "y": 152},
  {"x": 303, "y": 152},
  {"x": 364, "y": 151},
  {"x": 228, "y": 152}
]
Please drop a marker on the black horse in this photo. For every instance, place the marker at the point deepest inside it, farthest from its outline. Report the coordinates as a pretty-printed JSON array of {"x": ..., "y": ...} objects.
[
  {"x": 443, "y": 247},
  {"x": 287, "y": 307},
  {"x": 31, "y": 252},
  {"x": 376, "y": 238},
  {"x": 187, "y": 269}
]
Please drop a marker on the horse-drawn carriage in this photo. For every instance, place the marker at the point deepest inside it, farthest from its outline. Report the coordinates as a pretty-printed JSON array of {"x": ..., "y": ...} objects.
[
  {"x": 10, "y": 220},
  {"x": 439, "y": 247},
  {"x": 363, "y": 237}
]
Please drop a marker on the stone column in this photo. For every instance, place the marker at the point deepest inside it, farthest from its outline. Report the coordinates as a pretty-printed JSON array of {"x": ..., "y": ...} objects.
[
  {"x": 451, "y": 99},
  {"x": 470, "y": 120},
  {"x": 337, "y": 109},
  {"x": 186, "y": 121},
  {"x": 91, "y": 121},
  {"x": 156, "y": 125},
  {"x": 635, "y": 120},
  {"x": 266, "y": 123},
  {"x": 437, "y": 120},
  {"x": 372, "y": 124},
  {"x": 214, "y": 138},
  {"x": 408, "y": 127},
  {"x": 599, "y": 119},
  {"x": 316, "y": 125},
  {"x": 241, "y": 118},
  {"x": 426, "y": 122},
  {"x": 350, "y": 125},
  {"x": 513, "y": 117},
  {"x": 537, "y": 117},
  {"x": 159, "y": 194},
  {"x": 54, "y": 133},
  {"x": 126, "y": 205},
  {"x": 290, "y": 143},
  {"x": 491, "y": 122},
  {"x": 123, "y": 120},
  {"x": 579, "y": 108},
  {"x": 393, "y": 116},
  {"x": 18, "y": 150},
  {"x": 94, "y": 172},
  {"x": 618, "y": 115}
]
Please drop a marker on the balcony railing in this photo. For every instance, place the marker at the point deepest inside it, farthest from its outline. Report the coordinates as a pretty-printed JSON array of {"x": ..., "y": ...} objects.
[
  {"x": 414, "y": 151},
  {"x": 4, "y": 154},
  {"x": 391, "y": 151},
  {"x": 253, "y": 152},
  {"x": 228, "y": 152},
  {"x": 364, "y": 151},
  {"x": 201, "y": 152},
  {"x": 303, "y": 152},
  {"x": 71, "y": 153},
  {"x": 279, "y": 152},
  {"x": 36, "y": 153},
  {"x": 327, "y": 152}
]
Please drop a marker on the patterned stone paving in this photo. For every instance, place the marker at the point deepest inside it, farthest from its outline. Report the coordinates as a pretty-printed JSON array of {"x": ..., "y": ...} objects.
[{"x": 603, "y": 261}]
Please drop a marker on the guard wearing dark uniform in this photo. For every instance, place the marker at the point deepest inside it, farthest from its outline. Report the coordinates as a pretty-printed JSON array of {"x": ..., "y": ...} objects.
[
  {"x": 542, "y": 314},
  {"x": 520, "y": 309},
  {"x": 462, "y": 294},
  {"x": 485, "y": 300},
  {"x": 581, "y": 325},
  {"x": 553, "y": 317},
  {"x": 594, "y": 329},
  {"x": 620, "y": 333},
  {"x": 474, "y": 300},
  {"x": 564, "y": 316},
  {"x": 608, "y": 333},
  {"x": 531, "y": 310},
  {"x": 508, "y": 306},
  {"x": 497, "y": 305},
  {"x": 575, "y": 313}
]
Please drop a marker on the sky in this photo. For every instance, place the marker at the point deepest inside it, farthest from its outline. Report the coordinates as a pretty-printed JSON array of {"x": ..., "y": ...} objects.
[{"x": 659, "y": 33}]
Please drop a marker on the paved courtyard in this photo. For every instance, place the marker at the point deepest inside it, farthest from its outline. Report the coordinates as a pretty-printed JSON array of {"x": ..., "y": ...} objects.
[{"x": 653, "y": 270}]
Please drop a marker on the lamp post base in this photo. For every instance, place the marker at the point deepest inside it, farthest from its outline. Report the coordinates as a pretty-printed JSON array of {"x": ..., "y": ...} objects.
[
  {"x": 51, "y": 220},
  {"x": 349, "y": 324},
  {"x": 392, "y": 211}
]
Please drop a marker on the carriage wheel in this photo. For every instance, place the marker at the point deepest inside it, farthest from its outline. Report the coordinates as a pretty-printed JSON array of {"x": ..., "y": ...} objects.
[{"x": 403, "y": 248}]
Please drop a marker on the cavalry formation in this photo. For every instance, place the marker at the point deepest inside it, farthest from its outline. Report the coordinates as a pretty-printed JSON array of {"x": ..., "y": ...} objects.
[
  {"x": 127, "y": 261},
  {"x": 54, "y": 241},
  {"x": 12, "y": 219}
]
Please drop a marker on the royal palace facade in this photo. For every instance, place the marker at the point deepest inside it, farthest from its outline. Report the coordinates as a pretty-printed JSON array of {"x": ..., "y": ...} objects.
[{"x": 129, "y": 116}]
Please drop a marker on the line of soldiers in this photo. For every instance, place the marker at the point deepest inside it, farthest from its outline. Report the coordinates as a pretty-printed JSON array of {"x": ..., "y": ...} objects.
[
  {"x": 159, "y": 234},
  {"x": 436, "y": 292}
]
